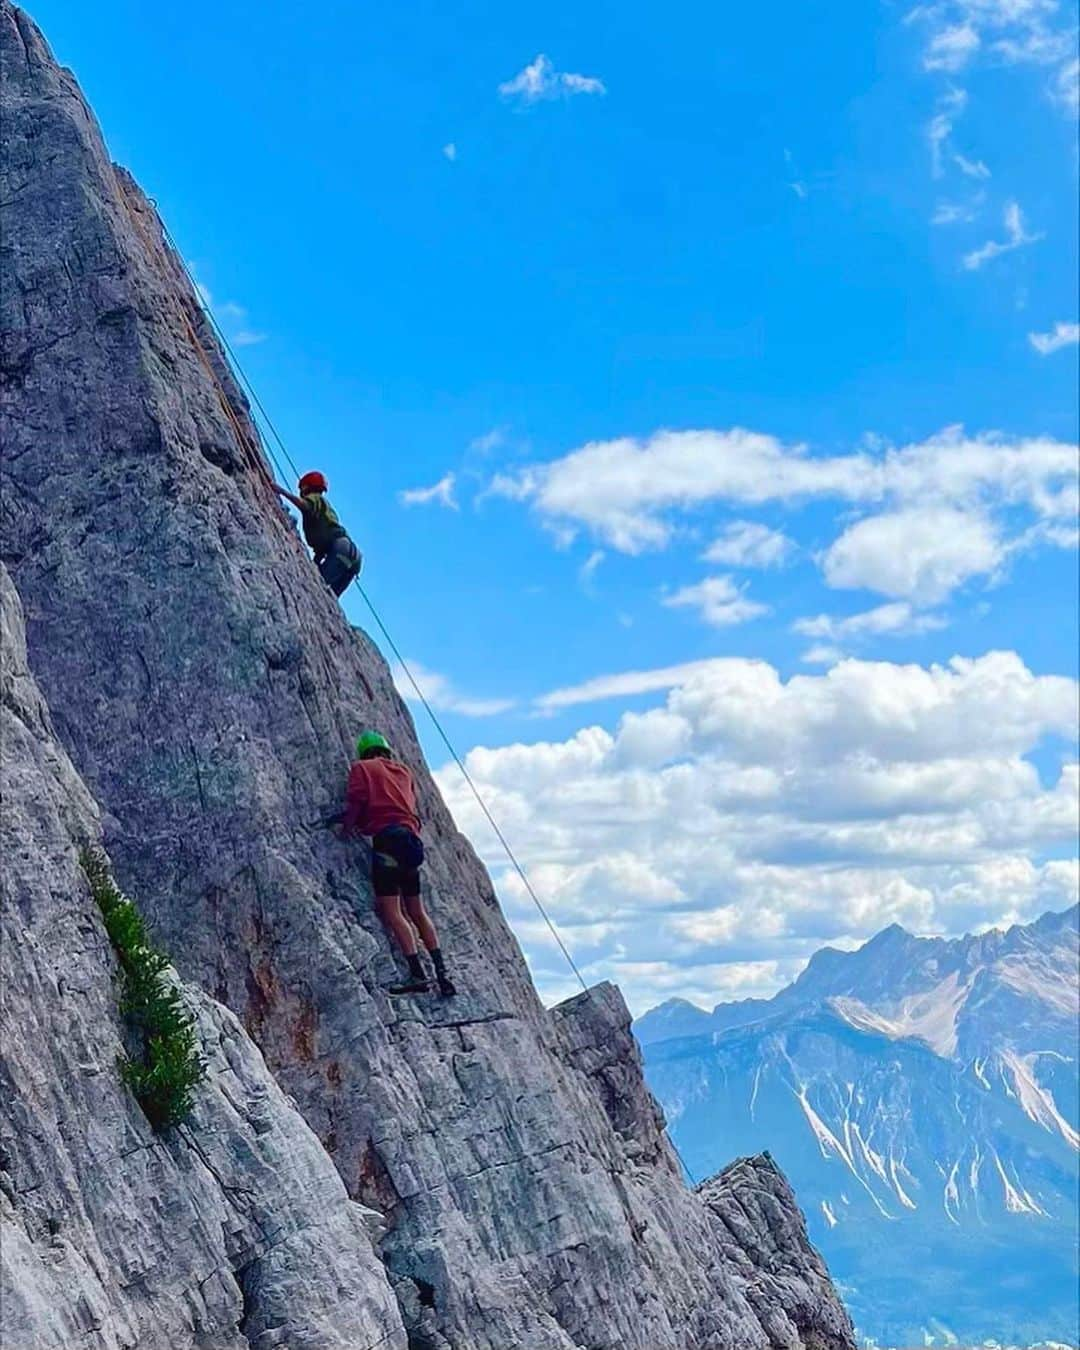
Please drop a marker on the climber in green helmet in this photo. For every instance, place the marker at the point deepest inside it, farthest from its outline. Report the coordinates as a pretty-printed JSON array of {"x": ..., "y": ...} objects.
[
  {"x": 336, "y": 556},
  {"x": 380, "y": 800}
]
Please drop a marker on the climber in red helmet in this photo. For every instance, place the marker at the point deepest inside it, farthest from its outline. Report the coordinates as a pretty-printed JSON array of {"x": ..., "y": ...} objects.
[
  {"x": 336, "y": 556},
  {"x": 380, "y": 800}
]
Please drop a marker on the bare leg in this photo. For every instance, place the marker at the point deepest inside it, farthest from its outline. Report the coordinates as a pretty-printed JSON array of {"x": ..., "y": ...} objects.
[
  {"x": 420, "y": 919},
  {"x": 388, "y": 908}
]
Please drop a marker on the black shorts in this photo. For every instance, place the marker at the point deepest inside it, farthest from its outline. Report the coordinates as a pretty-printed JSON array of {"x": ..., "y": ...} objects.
[{"x": 396, "y": 858}]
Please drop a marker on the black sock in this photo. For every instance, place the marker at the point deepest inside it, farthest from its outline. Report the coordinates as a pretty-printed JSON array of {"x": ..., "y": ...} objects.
[
  {"x": 438, "y": 962},
  {"x": 416, "y": 968}
]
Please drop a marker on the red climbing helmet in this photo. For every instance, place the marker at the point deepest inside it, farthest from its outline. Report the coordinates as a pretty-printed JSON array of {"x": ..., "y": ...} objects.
[{"x": 313, "y": 482}]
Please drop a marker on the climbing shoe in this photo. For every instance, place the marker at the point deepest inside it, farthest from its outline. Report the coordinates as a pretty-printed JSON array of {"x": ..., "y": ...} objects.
[
  {"x": 446, "y": 984},
  {"x": 407, "y": 987}
]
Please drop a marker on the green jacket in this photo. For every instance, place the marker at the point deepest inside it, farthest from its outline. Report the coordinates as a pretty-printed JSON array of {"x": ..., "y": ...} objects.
[{"x": 320, "y": 523}]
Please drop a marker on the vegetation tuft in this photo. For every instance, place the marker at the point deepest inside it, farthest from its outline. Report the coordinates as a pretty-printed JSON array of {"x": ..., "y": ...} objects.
[{"x": 168, "y": 1068}]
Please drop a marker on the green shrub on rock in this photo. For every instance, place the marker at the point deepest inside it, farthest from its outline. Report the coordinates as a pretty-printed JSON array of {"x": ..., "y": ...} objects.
[{"x": 168, "y": 1070}]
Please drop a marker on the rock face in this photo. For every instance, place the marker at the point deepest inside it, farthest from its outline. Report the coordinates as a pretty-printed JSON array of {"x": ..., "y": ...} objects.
[
  {"x": 763, "y": 1234},
  {"x": 207, "y": 689},
  {"x": 235, "y": 1231}
]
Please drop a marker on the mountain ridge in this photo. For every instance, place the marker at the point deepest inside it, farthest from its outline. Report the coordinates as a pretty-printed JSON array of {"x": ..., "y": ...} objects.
[
  {"x": 652, "y": 1026},
  {"x": 923, "y": 1096}
]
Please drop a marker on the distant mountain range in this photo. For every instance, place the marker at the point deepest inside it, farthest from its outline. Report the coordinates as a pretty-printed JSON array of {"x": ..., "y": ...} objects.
[{"x": 922, "y": 1095}]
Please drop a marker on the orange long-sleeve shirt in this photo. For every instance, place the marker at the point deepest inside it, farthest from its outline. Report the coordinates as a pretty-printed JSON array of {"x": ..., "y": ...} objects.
[{"x": 379, "y": 793}]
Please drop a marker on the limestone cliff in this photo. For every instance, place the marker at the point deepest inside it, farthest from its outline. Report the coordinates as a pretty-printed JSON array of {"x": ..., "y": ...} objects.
[{"x": 203, "y": 689}]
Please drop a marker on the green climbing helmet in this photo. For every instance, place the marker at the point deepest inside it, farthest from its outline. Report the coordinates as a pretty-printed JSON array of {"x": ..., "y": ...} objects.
[{"x": 370, "y": 740}]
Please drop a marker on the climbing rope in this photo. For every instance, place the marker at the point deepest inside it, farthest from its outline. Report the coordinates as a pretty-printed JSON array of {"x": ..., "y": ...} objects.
[
  {"x": 407, "y": 671},
  {"x": 243, "y": 439},
  {"x": 436, "y": 722}
]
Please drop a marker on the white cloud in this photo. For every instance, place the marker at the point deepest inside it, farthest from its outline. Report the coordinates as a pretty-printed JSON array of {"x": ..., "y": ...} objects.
[
  {"x": 1056, "y": 535},
  {"x": 1035, "y": 48},
  {"x": 1016, "y": 236},
  {"x": 627, "y": 491},
  {"x": 441, "y": 694},
  {"x": 954, "y": 213},
  {"x": 821, "y": 654},
  {"x": 896, "y": 619},
  {"x": 231, "y": 316},
  {"x": 441, "y": 493},
  {"x": 1065, "y": 90},
  {"x": 626, "y": 684},
  {"x": 582, "y": 84},
  {"x": 515, "y": 487},
  {"x": 952, "y": 48},
  {"x": 719, "y": 601},
  {"x": 746, "y": 543},
  {"x": 950, "y": 105},
  {"x": 588, "y": 568},
  {"x": 974, "y": 168},
  {"x": 1062, "y": 335},
  {"x": 450, "y": 151},
  {"x": 540, "y": 80},
  {"x": 1011, "y": 31},
  {"x": 749, "y": 819},
  {"x": 489, "y": 441},
  {"x": 920, "y": 553}
]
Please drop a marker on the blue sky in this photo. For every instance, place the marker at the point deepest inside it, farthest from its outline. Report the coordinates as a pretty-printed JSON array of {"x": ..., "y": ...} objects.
[{"x": 684, "y": 311}]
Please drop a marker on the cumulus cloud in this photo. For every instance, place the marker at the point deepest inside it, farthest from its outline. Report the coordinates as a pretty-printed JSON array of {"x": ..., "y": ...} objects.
[
  {"x": 749, "y": 819},
  {"x": 1016, "y": 236},
  {"x": 920, "y": 553},
  {"x": 630, "y": 493},
  {"x": 440, "y": 493},
  {"x": 747, "y": 543},
  {"x": 539, "y": 80},
  {"x": 1062, "y": 335},
  {"x": 720, "y": 602},
  {"x": 450, "y": 151},
  {"x": 441, "y": 693}
]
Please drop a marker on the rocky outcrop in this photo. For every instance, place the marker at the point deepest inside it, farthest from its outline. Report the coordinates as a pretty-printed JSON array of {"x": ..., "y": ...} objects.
[
  {"x": 207, "y": 689},
  {"x": 235, "y": 1231},
  {"x": 763, "y": 1235}
]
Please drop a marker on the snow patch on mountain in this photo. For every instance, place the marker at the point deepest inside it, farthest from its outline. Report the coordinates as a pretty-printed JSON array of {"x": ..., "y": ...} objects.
[
  {"x": 923, "y": 1095},
  {"x": 1017, "y": 1199},
  {"x": 1037, "y": 1101},
  {"x": 930, "y": 1016}
]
